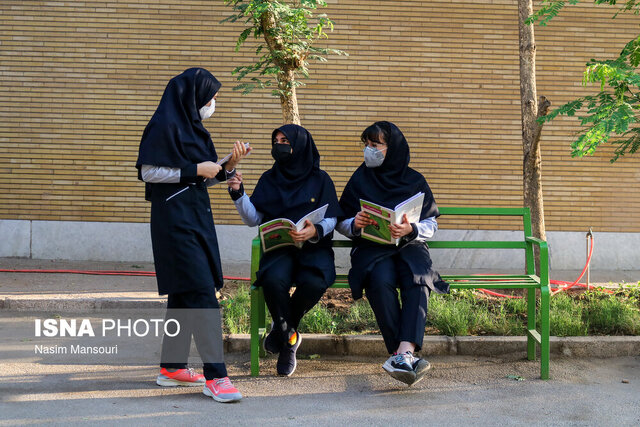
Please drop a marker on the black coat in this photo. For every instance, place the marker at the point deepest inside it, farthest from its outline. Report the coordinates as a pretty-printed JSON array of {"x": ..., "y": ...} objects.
[
  {"x": 183, "y": 235},
  {"x": 292, "y": 190},
  {"x": 185, "y": 246},
  {"x": 389, "y": 184}
]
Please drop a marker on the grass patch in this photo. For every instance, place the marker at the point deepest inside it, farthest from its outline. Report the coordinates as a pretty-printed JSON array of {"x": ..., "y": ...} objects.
[
  {"x": 611, "y": 314},
  {"x": 463, "y": 312},
  {"x": 236, "y": 311},
  {"x": 566, "y": 317},
  {"x": 319, "y": 320}
]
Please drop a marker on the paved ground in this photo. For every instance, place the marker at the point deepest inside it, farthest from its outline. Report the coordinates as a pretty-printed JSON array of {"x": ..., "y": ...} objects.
[
  {"x": 325, "y": 391},
  {"x": 332, "y": 391}
]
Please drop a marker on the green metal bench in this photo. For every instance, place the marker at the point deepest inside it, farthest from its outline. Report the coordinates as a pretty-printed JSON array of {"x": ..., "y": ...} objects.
[{"x": 529, "y": 281}]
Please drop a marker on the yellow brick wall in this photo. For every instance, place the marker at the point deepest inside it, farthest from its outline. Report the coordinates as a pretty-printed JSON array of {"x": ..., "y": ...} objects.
[{"x": 80, "y": 80}]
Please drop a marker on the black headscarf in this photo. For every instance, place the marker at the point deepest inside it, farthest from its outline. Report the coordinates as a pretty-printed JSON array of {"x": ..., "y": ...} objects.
[
  {"x": 390, "y": 183},
  {"x": 175, "y": 136},
  {"x": 298, "y": 187}
]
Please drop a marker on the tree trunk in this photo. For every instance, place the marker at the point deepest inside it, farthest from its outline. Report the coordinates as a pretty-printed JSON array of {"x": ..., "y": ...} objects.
[
  {"x": 286, "y": 76},
  {"x": 288, "y": 98},
  {"x": 531, "y": 130}
]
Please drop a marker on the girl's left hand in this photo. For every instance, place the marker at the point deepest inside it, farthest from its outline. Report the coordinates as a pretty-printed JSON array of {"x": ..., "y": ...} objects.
[
  {"x": 235, "y": 182},
  {"x": 308, "y": 232},
  {"x": 402, "y": 229}
]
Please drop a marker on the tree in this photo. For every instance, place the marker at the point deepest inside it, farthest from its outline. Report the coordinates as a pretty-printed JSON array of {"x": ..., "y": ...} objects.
[
  {"x": 614, "y": 110},
  {"x": 289, "y": 30},
  {"x": 531, "y": 110}
]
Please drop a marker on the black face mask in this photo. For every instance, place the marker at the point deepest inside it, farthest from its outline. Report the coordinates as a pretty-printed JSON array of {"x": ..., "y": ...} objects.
[{"x": 281, "y": 153}]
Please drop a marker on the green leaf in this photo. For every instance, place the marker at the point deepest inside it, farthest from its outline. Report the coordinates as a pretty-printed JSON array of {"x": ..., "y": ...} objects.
[
  {"x": 296, "y": 30},
  {"x": 515, "y": 377},
  {"x": 242, "y": 38}
]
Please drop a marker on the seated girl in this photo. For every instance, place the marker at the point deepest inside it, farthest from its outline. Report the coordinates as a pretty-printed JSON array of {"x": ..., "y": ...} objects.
[
  {"x": 292, "y": 188},
  {"x": 386, "y": 179}
]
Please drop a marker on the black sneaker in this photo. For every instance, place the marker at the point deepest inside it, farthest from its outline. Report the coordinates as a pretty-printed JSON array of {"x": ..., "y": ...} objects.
[
  {"x": 287, "y": 363},
  {"x": 272, "y": 343},
  {"x": 420, "y": 367},
  {"x": 400, "y": 367}
]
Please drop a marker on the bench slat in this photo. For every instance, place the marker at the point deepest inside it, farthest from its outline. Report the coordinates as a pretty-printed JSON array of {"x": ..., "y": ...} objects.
[{"x": 479, "y": 244}]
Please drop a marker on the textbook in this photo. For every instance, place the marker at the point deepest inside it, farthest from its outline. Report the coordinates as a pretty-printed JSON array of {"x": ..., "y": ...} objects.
[
  {"x": 275, "y": 233},
  {"x": 381, "y": 233}
]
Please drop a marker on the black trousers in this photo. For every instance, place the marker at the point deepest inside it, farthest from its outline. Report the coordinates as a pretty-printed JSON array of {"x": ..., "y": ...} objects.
[
  {"x": 198, "y": 313},
  {"x": 397, "y": 322},
  {"x": 287, "y": 311}
]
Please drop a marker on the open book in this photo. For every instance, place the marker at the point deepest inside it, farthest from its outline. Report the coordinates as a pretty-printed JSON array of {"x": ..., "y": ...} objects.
[
  {"x": 381, "y": 233},
  {"x": 275, "y": 233}
]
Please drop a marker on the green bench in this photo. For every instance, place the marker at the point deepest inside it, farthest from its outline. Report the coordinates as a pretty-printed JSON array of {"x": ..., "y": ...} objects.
[{"x": 529, "y": 281}]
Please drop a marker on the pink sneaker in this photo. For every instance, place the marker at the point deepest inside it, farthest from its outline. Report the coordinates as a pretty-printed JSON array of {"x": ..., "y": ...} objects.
[
  {"x": 181, "y": 377},
  {"x": 221, "y": 390}
]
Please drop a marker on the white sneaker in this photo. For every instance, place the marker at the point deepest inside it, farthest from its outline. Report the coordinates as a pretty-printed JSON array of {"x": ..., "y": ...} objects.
[{"x": 400, "y": 367}]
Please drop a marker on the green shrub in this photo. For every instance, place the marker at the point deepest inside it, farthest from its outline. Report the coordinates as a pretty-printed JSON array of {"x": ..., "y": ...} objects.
[
  {"x": 451, "y": 316},
  {"x": 360, "y": 318},
  {"x": 515, "y": 306},
  {"x": 463, "y": 313},
  {"x": 566, "y": 317},
  {"x": 236, "y": 311},
  {"x": 318, "y": 320},
  {"x": 611, "y": 315}
]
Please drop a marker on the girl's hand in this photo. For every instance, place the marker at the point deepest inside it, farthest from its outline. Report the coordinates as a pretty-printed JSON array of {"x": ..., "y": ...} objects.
[
  {"x": 235, "y": 182},
  {"x": 208, "y": 169},
  {"x": 402, "y": 229},
  {"x": 239, "y": 152},
  {"x": 308, "y": 232},
  {"x": 362, "y": 220}
]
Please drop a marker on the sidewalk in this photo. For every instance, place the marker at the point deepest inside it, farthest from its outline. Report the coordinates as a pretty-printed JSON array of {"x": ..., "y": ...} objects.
[
  {"x": 461, "y": 390},
  {"x": 79, "y": 293}
]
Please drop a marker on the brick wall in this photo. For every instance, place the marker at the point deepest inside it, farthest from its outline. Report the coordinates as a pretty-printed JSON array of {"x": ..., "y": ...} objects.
[{"x": 80, "y": 80}]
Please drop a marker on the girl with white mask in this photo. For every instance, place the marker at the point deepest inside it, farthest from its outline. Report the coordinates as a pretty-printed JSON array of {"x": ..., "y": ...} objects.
[
  {"x": 378, "y": 269},
  {"x": 177, "y": 161}
]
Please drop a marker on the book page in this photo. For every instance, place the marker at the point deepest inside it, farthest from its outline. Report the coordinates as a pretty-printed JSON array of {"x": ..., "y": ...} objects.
[
  {"x": 275, "y": 234},
  {"x": 412, "y": 207},
  {"x": 380, "y": 232},
  {"x": 314, "y": 216},
  {"x": 228, "y": 156},
  {"x": 384, "y": 217}
]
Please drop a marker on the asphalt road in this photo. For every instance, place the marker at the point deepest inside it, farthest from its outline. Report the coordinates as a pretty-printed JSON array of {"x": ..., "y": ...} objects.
[{"x": 331, "y": 391}]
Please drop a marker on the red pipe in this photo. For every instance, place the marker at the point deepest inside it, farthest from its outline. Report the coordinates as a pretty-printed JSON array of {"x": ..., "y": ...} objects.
[
  {"x": 562, "y": 285},
  {"x": 564, "y": 288},
  {"x": 104, "y": 273}
]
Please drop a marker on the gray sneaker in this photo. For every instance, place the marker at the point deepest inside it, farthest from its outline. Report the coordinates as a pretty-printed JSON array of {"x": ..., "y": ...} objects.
[
  {"x": 273, "y": 342},
  {"x": 400, "y": 367},
  {"x": 287, "y": 362},
  {"x": 420, "y": 367}
]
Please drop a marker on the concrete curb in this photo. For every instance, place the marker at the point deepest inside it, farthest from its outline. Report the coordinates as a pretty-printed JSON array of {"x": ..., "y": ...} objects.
[{"x": 372, "y": 345}]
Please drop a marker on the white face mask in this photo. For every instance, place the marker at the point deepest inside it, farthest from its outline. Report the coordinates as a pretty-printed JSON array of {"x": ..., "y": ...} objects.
[
  {"x": 206, "y": 112},
  {"x": 373, "y": 157}
]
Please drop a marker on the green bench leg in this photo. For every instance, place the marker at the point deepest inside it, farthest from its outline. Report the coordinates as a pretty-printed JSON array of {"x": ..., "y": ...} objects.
[
  {"x": 545, "y": 348},
  {"x": 531, "y": 323},
  {"x": 257, "y": 329}
]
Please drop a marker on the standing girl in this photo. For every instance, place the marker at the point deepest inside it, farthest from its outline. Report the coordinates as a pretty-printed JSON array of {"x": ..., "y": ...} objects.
[
  {"x": 292, "y": 188},
  {"x": 386, "y": 179},
  {"x": 177, "y": 163}
]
